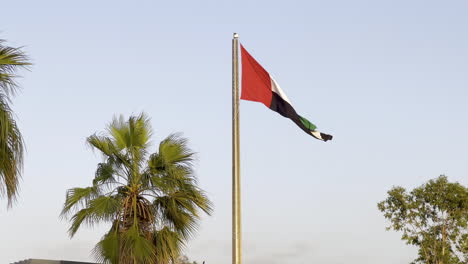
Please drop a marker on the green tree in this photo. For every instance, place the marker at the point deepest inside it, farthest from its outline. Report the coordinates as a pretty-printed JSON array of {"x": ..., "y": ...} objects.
[
  {"x": 11, "y": 141},
  {"x": 433, "y": 217},
  {"x": 151, "y": 200}
]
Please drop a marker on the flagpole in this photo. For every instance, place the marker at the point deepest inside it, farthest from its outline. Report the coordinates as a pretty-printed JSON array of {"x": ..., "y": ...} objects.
[{"x": 236, "y": 194}]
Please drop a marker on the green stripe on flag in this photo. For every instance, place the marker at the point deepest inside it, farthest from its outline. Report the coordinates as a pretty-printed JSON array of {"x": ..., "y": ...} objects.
[{"x": 307, "y": 124}]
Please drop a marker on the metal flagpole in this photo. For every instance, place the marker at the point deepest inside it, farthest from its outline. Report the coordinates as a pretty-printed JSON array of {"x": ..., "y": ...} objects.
[{"x": 236, "y": 199}]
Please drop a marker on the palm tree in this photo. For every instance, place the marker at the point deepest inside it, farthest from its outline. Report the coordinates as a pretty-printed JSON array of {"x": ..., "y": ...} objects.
[
  {"x": 151, "y": 200},
  {"x": 11, "y": 141}
]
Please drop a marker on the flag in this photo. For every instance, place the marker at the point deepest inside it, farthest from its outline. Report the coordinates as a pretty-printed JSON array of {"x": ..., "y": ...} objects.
[{"x": 259, "y": 86}]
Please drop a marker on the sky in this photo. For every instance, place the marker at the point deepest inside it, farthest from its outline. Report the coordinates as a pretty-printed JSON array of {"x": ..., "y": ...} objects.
[{"x": 386, "y": 78}]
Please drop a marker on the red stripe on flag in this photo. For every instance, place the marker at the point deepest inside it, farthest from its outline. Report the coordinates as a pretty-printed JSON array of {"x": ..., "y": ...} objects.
[{"x": 256, "y": 82}]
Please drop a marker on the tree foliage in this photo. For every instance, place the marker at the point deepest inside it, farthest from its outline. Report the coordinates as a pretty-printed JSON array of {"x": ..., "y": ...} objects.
[
  {"x": 11, "y": 141},
  {"x": 433, "y": 217},
  {"x": 151, "y": 200}
]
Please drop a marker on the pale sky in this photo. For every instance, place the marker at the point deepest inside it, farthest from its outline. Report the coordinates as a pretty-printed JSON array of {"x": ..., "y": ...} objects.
[{"x": 387, "y": 78}]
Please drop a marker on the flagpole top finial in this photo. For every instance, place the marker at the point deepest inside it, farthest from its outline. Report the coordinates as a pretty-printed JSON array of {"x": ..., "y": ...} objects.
[{"x": 236, "y": 35}]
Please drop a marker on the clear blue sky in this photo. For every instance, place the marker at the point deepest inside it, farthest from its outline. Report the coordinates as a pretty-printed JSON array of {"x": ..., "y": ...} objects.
[{"x": 387, "y": 78}]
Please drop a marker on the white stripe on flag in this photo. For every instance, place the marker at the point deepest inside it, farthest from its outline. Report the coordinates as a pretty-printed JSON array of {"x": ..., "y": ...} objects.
[
  {"x": 275, "y": 88},
  {"x": 316, "y": 134}
]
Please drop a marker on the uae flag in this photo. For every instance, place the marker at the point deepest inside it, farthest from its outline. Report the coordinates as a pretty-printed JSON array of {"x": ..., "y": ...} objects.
[{"x": 259, "y": 86}]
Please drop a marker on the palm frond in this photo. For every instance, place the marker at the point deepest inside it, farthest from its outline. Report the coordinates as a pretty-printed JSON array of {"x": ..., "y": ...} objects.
[
  {"x": 136, "y": 248},
  {"x": 103, "y": 144},
  {"x": 174, "y": 150},
  {"x": 11, "y": 153},
  {"x": 197, "y": 197},
  {"x": 168, "y": 244},
  {"x": 139, "y": 131},
  {"x": 11, "y": 59},
  {"x": 108, "y": 149},
  {"x": 107, "y": 172},
  {"x": 100, "y": 209},
  {"x": 11, "y": 141},
  {"x": 172, "y": 165},
  {"x": 134, "y": 132},
  {"x": 105, "y": 208},
  {"x": 78, "y": 198},
  {"x": 83, "y": 215},
  {"x": 176, "y": 214},
  {"x": 107, "y": 250}
]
